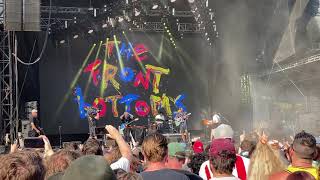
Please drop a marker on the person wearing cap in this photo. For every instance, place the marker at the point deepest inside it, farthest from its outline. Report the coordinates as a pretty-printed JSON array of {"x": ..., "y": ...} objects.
[
  {"x": 177, "y": 155},
  {"x": 223, "y": 158},
  {"x": 35, "y": 124},
  {"x": 224, "y": 131},
  {"x": 176, "y": 160},
  {"x": 197, "y": 147},
  {"x": 301, "y": 154},
  {"x": 155, "y": 152}
]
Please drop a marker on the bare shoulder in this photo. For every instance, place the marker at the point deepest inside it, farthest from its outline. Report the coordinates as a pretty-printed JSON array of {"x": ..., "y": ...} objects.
[{"x": 279, "y": 176}]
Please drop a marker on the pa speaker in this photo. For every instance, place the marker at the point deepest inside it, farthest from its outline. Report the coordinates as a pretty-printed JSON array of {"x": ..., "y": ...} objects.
[
  {"x": 22, "y": 15},
  {"x": 31, "y": 15},
  {"x": 13, "y": 15}
]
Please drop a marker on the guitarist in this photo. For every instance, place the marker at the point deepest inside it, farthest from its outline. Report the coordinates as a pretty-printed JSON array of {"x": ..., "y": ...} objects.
[
  {"x": 182, "y": 116},
  {"x": 126, "y": 118},
  {"x": 35, "y": 124}
]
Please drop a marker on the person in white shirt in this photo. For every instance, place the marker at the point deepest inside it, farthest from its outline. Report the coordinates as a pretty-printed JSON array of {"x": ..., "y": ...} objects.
[
  {"x": 126, "y": 154},
  {"x": 224, "y": 131}
]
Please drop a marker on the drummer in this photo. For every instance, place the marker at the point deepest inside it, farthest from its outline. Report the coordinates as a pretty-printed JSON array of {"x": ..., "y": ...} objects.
[{"x": 160, "y": 118}]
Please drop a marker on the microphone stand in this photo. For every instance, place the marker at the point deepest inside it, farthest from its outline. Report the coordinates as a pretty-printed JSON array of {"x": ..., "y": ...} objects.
[{"x": 60, "y": 137}]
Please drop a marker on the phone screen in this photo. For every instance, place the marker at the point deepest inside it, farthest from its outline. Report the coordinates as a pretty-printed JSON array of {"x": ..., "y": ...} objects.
[{"x": 34, "y": 142}]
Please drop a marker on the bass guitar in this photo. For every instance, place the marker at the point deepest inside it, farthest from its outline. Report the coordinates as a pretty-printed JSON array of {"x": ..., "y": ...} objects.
[{"x": 124, "y": 125}]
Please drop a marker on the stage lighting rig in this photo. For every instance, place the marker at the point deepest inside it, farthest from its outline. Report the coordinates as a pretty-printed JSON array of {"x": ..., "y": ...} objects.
[
  {"x": 155, "y": 6},
  {"x": 137, "y": 12}
]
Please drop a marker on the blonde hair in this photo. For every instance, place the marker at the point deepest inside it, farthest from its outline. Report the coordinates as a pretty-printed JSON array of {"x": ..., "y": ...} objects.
[{"x": 264, "y": 162}]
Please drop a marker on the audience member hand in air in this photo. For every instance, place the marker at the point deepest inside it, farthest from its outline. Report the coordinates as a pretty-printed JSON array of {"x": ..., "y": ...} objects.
[
  {"x": 47, "y": 146},
  {"x": 123, "y": 146},
  {"x": 14, "y": 147}
]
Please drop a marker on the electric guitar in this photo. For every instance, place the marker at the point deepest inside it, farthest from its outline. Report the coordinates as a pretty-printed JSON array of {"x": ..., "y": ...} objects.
[
  {"x": 181, "y": 118},
  {"x": 124, "y": 125}
]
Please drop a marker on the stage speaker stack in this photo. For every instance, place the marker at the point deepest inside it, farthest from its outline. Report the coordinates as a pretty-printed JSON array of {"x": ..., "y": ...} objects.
[
  {"x": 31, "y": 15},
  {"x": 13, "y": 15},
  {"x": 29, "y": 106},
  {"x": 22, "y": 15},
  {"x": 25, "y": 128}
]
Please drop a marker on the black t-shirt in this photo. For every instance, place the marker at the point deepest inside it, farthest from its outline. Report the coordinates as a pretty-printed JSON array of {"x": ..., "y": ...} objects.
[
  {"x": 163, "y": 174},
  {"x": 35, "y": 121}
]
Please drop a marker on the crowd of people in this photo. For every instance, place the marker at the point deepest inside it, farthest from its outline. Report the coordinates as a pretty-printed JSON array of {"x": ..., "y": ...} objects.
[{"x": 251, "y": 156}]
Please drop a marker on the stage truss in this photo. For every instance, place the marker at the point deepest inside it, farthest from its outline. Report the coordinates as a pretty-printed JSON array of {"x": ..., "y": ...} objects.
[
  {"x": 63, "y": 15},
  {"x": 8, "y": 86},
  {"x": 9, "y": 114}
]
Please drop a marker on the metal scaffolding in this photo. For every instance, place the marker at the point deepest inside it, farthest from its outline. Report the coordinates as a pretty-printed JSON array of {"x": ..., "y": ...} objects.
[
  {"x": 8, "y": 86},
  {"x": 301, "y": 62},
  {"x": 71, "y": 12},
  {"x": 159, "y": 27}
]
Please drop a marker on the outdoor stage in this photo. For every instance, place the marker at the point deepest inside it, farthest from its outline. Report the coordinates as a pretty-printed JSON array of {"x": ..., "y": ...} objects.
[{"x": 138, "y": 56}]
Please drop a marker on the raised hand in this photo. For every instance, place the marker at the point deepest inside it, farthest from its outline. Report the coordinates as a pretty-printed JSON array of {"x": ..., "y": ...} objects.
[
  {"x": 113, "y": 132},
  {"x": 47, "y": 146}
]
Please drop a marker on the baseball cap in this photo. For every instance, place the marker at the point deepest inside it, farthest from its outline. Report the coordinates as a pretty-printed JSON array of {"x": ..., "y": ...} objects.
[
  {"x": 176, "y": 149},
  {"x": 198, "y": 147},
  {"x": 89, "y": 167},
  {"x": 219, "y": 145},
  {"x": 222, "y": 131}
]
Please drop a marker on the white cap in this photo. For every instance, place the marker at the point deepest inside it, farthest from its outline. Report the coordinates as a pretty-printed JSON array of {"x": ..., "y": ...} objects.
[
  {"x": 34, "y": 111},
  {"x": 222, "y": 131}
]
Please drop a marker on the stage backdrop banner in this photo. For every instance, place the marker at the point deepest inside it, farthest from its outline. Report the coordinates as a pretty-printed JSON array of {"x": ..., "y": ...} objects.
[{"x": 138, "y": 73}]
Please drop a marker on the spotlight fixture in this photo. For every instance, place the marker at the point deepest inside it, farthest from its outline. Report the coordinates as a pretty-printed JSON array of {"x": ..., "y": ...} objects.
[
  {"x": 172, "y": 1},
  {"x": 75, "y": 36},
  {"x": 120, "y": 19},
  {"x": 62, "y": 41},
  {"x": 206, "y": 34},
  {"x": 90, "y": 31},
  {"x": 136, "y": 12},
  {"x": 155, "y": 6},
  {"x": 208, "y": 39}
]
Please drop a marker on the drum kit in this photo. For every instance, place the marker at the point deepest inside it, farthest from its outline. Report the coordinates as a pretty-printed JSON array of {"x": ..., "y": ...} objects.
[{"x": 163, "y": 125}]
